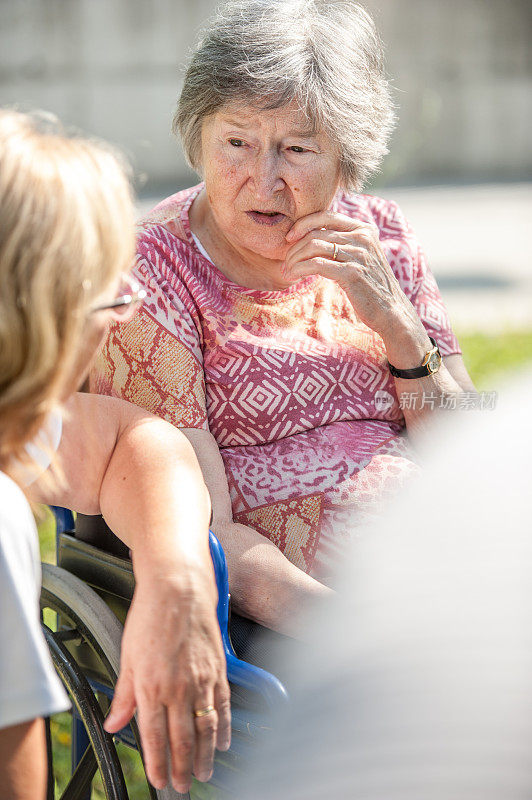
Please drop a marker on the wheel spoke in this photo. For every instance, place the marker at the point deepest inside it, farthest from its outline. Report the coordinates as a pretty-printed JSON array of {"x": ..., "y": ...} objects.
[
  {"x": 91, "y": 714},
  {"x": 80, "y": 781},
  {"x": 67, "y": 635}
]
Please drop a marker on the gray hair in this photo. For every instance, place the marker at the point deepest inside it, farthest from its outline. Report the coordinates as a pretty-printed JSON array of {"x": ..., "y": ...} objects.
[{"x": 325, "y": 55}]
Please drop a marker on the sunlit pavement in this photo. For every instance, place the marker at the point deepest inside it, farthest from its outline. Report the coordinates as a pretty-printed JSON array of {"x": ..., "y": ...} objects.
[{"x": 478, "y": 242}]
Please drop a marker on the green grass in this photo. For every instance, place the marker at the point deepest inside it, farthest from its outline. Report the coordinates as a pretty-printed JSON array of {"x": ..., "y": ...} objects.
[
  {"x": 46, "y": 524},
  {"x": 489, "y": 360}
]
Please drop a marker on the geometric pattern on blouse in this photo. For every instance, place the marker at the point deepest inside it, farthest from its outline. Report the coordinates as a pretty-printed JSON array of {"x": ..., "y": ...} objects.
[
  {"x": 292, "y": 525},
  {"x": 292, "y": 385}
]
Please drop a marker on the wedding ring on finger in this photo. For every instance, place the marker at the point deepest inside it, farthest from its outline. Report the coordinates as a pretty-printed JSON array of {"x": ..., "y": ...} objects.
[
  {"x": 202, "y": 712},
  {"x": 335, "y": 251}
]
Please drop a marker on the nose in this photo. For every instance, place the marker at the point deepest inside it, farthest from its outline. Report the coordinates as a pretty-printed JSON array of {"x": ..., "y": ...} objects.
[{"x": 266, "y": 176}]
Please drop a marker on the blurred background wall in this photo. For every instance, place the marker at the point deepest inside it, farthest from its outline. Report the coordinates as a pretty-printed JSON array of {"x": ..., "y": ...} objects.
[
  {"x": 462, "y": 72},
  {"x": 460, "y": 162}
]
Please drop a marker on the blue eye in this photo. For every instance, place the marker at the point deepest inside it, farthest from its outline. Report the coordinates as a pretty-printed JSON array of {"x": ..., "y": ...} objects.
[
  {"x": 295, "y": 148},
  {"x": 236, "y": 142}
]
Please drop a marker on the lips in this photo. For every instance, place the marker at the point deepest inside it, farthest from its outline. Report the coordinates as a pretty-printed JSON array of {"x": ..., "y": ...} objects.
[{"x": 266, "y": 217}]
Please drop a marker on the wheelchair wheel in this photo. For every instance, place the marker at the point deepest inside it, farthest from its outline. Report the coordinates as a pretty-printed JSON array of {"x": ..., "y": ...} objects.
[{"x": 85, "y": 621}]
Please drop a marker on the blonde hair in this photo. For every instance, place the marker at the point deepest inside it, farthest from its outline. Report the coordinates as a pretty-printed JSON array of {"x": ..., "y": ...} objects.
[{"x": 66, "y": 232}]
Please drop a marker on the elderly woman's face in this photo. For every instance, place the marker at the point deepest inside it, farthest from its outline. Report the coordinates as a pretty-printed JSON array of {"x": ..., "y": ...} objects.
[{"x": 264, "y": 170}]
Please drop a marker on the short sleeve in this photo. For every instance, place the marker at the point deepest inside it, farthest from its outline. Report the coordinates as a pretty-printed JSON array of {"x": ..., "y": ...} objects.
[
  {"x": 29, "y": 685},
  {"x": 156, "y": 360},
  {"x": 409, "y": 263}
]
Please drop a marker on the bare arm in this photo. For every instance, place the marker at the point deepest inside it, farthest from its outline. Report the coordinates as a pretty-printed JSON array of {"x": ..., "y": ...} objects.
[
  {"x": 114, "y": 456},
  {"x": 23, "y": 761},
  {"x": 265, "y": 586},
  {"x": 142, "y": 475}
]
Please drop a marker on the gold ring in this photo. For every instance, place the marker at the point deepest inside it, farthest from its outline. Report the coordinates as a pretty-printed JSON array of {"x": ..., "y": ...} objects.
[
  {"x": 202, "y": 712},
  {"x": 335, "y": 251}
]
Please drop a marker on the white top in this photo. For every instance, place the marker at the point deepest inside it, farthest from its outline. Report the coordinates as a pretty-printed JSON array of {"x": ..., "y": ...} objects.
[
  {"x": 29, "y": 686},
  {"x": 201, "y": 248},
  {"x": 40, "y": 450}
]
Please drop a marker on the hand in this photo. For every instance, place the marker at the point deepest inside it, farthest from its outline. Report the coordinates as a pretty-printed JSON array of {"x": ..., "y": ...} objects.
[
  {"x": 172, "y": 663},
  {"x": 360, "y": 267}
]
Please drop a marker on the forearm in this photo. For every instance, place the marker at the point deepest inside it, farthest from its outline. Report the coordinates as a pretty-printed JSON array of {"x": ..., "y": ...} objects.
[
  {"x": 406, "y": 344},
  {"x": 265, "y": 586},
  {"x": 153, "y": 496}
]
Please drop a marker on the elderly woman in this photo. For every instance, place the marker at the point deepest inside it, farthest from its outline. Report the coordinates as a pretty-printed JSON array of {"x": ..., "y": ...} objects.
[{"x": 286, "y": 312}]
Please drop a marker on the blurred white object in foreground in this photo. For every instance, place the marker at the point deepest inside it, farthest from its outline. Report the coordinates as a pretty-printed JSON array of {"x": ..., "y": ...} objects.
[{"x": 421, "y": 685}]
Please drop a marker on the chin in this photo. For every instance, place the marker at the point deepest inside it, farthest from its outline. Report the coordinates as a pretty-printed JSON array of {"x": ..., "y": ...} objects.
[
  {"x": 276, "y": 249},
  {"x": 278, "y": 254}
]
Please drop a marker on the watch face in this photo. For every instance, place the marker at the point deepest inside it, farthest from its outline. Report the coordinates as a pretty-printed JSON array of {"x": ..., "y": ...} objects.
[{"x": 434, "y": 362}]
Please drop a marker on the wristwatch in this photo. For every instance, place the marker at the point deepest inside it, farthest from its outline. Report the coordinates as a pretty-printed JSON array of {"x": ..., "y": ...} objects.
[{"x": 430, "y": 364}]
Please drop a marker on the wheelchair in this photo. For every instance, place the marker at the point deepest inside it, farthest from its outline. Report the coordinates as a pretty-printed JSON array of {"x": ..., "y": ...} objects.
[{"x": 87, "y": 595}]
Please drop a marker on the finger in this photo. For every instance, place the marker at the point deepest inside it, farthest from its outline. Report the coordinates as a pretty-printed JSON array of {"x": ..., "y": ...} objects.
[
  {"x": 222, "y": 703},
  {"x": 312, "y": 248},
  {"x": 355, "y": 244},
  {"x": 182, "y": 734},
  {"x": 335, "y": 270},
  {"x": 153, "y": 735},
  {"x": 123, "y": 705},
  {"x": 206, "y": 731},
  {"x": 322, "y": 219},
  {"x": 315, "y": 236},
  {"x": 317, "y": 252}
]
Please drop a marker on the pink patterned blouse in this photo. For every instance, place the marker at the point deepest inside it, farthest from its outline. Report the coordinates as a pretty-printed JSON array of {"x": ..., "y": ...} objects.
[{"x": 292, "y": 385}]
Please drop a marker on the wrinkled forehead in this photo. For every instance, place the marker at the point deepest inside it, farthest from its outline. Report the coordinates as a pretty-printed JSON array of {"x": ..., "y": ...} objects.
[{"x": 287, "y": 119}]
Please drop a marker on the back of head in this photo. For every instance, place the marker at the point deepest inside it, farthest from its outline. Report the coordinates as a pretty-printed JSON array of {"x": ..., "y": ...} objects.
[{"x": 66, "y": 232}]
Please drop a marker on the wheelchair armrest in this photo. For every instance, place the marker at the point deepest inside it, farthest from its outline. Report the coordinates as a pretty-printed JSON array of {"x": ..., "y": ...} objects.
[
  {"x": 243, "y": 674},
  {"x": 248, "y": 676}
]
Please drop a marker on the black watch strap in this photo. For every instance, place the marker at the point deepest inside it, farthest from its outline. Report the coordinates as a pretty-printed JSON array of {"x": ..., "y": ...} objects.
[{"x": 416, "y": 372}]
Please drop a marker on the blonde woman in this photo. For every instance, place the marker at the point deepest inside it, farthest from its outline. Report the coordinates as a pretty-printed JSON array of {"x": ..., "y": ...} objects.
[{"x": 66, "y": 244}]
